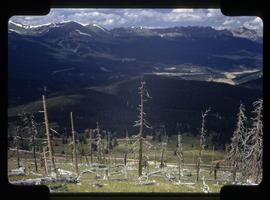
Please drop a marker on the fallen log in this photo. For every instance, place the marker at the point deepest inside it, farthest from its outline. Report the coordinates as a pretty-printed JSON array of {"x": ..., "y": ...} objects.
[
  {"x": 65, "y": 172},
  {"x": 146, "y": 183},
  {"x": 88, "y": 171},
  {"x": 155, "y": 172},
  {"x": 97, "y": 176},
  {"x": 97, "y": 185},
  {"x": 119, "y": 179},
  {"x": 39, "y": 181},
  {"x": 185, "y": 184},
  {"x": 17, "y": 172}
]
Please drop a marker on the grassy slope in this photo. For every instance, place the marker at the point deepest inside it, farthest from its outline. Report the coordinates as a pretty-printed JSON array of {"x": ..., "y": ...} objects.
[{"x": 129, "y": 186}]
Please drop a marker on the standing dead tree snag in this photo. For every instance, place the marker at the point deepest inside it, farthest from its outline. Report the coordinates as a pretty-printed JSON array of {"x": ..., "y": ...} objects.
[
  {"x": 204, "y": 114},
  {"x": 99, "y": 145},
  {"x": 91, "y": 149},
  {"x": 17, "y": 139},
  {"x": 236, "y": 153},
  {"x": 212, "y": 159},
  {"x": 142, "y": 122},
  {"x": 164, "y": 144},
  {"x": 180, "y": 157},
  {"x": 42, "y": 165},
  {"x": 126, "y": 148},
  {"x": 74, "y": 144},
  {"x": 255, "y": 145},
  {"x": 33, "y": 141},
  {"x": 53, "y": 169}
]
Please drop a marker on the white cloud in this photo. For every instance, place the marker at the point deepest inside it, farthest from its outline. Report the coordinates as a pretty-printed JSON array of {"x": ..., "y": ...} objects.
[
  {"x": 110, "y": 18},
  {"x": 213, "y": 13},
  {"x": 180, "y": 10},
  {"x": 177, "y": 15},
  {"x": 229, "y": 21}
]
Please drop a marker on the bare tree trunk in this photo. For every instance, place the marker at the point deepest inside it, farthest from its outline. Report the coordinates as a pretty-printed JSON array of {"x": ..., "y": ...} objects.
[
  {"x": 165, "y": 150},
  {"x": 74, "y": 144},
  {"x": 125, "y": 158},
  {"x": 141, "y": 122},
  {"x": 256, "y": 149},
  {"x": 141, "y": 134},
  {"x": 162, "y": 158},
  {"x": 126, "y": 148},
  {"x": 201, "y": 144},
  {"x": 215, "y": 175},
  {"x": 103, "y": 153},
  {"x": 53, "y": 169},
  {"x": 91, "y": 151},
  {"x": 87, "y": 161},
  {"x": 18, "y": 157},
  {"x": 155, "y": 159},
  {"x": 99, "y": 145},
  {"x": 212, "y": 159},
  {"x": 235, "y": 160},
  {"x": 72, "y": 160},
  {"x": 42, "y": 166},
  {"x": 179, "y": 156},
  {"x": 34, "y": 154},
  {"x": 45, "y": 161}
]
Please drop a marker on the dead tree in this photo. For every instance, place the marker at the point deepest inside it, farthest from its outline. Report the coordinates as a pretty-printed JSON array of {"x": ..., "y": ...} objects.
[
  {"x": 215, "y": 171},
  {"x": 166, "y": 145},
  {"x": 45, "y": 160},
  {"x": 236, "y": 140},
  {"x": 212, "y": 159},
  {"x": 42, "y": 166},
  {"x": 254, "y": 152},
  {"x": 53, "y": 169},
  {"x": 204, "y": 114},
  {"x": 34, "y": 134},
  {"x": 236, "y": 149},
  {"x": 180, "y": 157},
  {"x": 17, "y": 137},
  {"x": 163, "y": 151},
  {"x": 142, "y": 122},
  {"x": 91, "y": 150},
  {"x": 257, "y": 153},
  {"x": 126, "y": 148},
  {"x": 99, "y": 145},
  {"x": 18, "y": 157},
  {"x": 74, "y": 144}
]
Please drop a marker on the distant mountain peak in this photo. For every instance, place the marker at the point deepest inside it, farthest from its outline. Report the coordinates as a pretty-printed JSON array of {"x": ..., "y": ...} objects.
[
  {"x": 187, "y": 31},
  {"x": 98, "y": 26},
  {"x": 243, "y": 32}
]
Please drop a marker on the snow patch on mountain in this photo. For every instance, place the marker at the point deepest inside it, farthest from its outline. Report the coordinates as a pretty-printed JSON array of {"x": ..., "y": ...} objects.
[
  {"x": 81, "y": 33},
  {"x": 14, "y": 31},
  {"x": 243, "y": 32},
  {"x": 95, "y": 25},
  {"x": 16, "y": 24}
]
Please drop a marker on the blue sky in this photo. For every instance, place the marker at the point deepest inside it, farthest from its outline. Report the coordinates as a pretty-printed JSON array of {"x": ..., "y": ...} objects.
[{"x": 112, "y": 18}]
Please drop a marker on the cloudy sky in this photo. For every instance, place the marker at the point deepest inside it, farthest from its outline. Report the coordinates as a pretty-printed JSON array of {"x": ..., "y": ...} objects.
[{"x": 111, "y": 18}]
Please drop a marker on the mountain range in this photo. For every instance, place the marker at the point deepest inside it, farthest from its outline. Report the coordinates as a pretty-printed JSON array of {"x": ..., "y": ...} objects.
[
  {"x": 71, "y": 55},
  {"x": 95, "y": 73}
]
